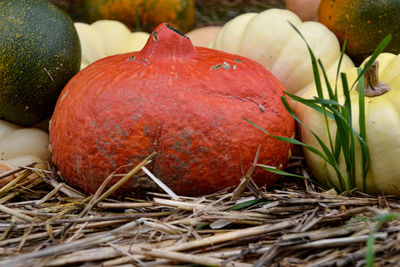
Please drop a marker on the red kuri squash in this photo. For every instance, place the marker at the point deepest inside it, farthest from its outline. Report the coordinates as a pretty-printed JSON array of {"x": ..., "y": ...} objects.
[{"x": 186, "y": 103}]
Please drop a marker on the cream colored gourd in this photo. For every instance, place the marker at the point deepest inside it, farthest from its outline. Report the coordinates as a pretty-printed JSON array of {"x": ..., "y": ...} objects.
[
  {"x": 20, "y": 147},
  {"x": 107, "y": 37},
  {"x": 17, "y": 141},
  {"x": 382, "y": 129},
  {"x": 269, "y": 39}
]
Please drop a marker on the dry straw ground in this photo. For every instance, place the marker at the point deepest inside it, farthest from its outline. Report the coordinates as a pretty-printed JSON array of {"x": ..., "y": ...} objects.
[{"x": 44, "y": 222}]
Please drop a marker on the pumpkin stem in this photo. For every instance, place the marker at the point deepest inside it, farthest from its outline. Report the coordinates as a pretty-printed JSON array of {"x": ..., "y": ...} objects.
[
  {"x": 166, "y": 42},
  {"x": 175, "y": 30},
  {"x": 372, "y": 85}
]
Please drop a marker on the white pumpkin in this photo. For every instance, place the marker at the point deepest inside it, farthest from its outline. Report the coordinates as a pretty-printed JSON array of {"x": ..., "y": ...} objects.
[
  {"x": 269, "y": 39},
  {"x": 104, "y": 38},
  {"x": 20, "y": 147}
]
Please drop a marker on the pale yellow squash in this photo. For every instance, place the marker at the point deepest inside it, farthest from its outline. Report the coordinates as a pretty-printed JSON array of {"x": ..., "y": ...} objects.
[
  {"x": 20, "y": 147},
  {"x": 382, "y": 111},
  {"x": 269, "y": 39},
  {"x": 105, "y": 38},
  {"x": 17, "y": 141}
]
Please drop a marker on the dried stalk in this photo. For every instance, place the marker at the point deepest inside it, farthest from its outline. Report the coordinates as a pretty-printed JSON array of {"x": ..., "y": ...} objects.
[
  {"x": 16, "y": 214},
  {"x": 183, "y": 257}
]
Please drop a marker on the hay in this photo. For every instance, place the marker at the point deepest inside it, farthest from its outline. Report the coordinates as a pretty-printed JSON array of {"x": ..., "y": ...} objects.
[{"x": 44, "y": 222}]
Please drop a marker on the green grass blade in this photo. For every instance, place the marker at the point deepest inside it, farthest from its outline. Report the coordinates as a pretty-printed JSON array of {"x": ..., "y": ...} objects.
[
  {"x": 331, "y": 93},
  {"x": 244, "y": 205},
  {"x": 329, "y": 157},
  {"x": 361, "y": 101},
  {"x": 347, "y": 98},
  {"x": 382, "y": 45},
  {"x": 342, "y": 116},
  {"x": 342, "y": 53},
  {"x": 370, "y": 253},
  {"x": 315, "y": 103},
  {"x": 382, "y": 219},
  {"x": 365, "y": 158},
  {"x": 344, "y": 139},
  {"x": 290, "y": 140},
  {"x": 347, "y": 137},
  {"x": 201, "y": 226},
  {"x": 318, "y": 85},
  {"x": 283, "y": 173},
  {"x": 325, "y": 154},
  {"x": 317, "y": 78},
  {"x": 332, "y": 96},
  {"x": 343, "y": 123}
]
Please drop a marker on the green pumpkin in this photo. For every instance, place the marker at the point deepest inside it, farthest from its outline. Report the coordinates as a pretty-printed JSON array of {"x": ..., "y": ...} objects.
[
  {"x": 39, "y": 54},
  {"x": 363, "y": 23}
]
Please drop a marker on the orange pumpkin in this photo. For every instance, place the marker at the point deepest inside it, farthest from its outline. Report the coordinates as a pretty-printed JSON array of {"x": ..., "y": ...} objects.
[
  {"x": 144, "y": 14},
  {"x": 186, "y": 103}
]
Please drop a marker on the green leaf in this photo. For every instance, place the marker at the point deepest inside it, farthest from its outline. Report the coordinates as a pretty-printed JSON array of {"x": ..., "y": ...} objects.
[
  {"x": 201, "y": 226},
  {"x": 370, "y": 253},
  {"x": 382, "y": 45},
  {"x": 326, "y": 153},
  {"x": 290, "y": 140},
  {"x": 314, "y": 64},
  {"x": 342, "y": 53},
  {"x": 284, "y": 173},
  {"x": 387, "y": 217},
  {"x": 280, "y": 172},
  {"x": 363, "y": 131},
  {"x": 346, "y": 137},
  {"x": 382, "y": 219},
  {"x": 331, "y": 93},
  {"x": 244, "y": 205}
]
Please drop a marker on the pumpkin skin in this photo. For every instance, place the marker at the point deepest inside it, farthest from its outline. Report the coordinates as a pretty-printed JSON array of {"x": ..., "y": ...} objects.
[
  {"x": 382, "y": 129},
  {"x": 105, "y": 38},
  {"x": 280, "y": 49},
  {"x": 40, "y": 52},
  {"x": 364, "y": 23},
  {"x": 184, "y": 102},
  {"x": 150, "y": 13},
  {"x": 305, "y": 9}
]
